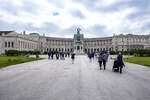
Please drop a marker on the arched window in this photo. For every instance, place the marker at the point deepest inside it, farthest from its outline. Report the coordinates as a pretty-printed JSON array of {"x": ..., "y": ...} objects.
[
  {"x": 12, "y": 44},
  {"x": 97, "y": 49},
  {"x": 94, "y": 49},
  {"x": 6, "y": 44},
  {"x": 91, "y": 49}
]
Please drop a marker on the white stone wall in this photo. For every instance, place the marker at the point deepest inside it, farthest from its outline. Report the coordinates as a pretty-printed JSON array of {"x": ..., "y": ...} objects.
[
  {"x": 59, "y": 44},
  {"x": 26, "y": 45},
  {"x": 17, "y": 43},
  {"x": 128, "y": 42},
  {"x": 98, "y": 44},
  {"x": 2, "y": 48},
  {"x": 10, "y": 43}
]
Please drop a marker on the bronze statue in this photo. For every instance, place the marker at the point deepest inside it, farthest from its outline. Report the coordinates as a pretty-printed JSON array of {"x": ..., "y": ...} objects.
[{"x": 78, "y": 30}]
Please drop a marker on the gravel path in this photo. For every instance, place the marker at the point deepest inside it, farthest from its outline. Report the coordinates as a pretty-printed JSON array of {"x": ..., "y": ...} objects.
[{"x": 62, "y": 80}]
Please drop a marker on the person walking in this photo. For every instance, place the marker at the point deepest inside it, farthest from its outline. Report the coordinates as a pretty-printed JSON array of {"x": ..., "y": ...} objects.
[
  {"x": 90, "y": 56},
  {"x": 60, "y": 55},
  {"x": 49, "y": 54},
  {"x": 57, "y": 56},
  {"x": 63, "y": 56},
  {"x": 96, "y": 55},
  {"x": 100, "y": 60},
  {"x": 52, "y": 55},
  {"x": 72, "y": 57},
  {"x": 105, "y": 58},
  {"x": 68, "y": 54},
  {"x": 120, "y": 62}
]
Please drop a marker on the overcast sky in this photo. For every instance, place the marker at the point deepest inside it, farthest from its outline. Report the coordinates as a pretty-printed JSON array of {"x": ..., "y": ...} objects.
[{"x": 96, "y": 18}]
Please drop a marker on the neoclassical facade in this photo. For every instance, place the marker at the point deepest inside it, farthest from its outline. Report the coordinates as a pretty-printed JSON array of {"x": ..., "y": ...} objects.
[{"x": 10, "y": 40}]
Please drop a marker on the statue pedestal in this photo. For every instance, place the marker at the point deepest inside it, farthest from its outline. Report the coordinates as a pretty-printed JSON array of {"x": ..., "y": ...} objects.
[{"x": 77, "y": 52}]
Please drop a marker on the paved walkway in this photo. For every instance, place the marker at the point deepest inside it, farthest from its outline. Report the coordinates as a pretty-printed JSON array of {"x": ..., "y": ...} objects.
[{"x": 62, "y": 80}]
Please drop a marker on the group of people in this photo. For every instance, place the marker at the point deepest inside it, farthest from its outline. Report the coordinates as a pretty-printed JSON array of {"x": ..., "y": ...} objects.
[
  {"x": 91, "y": 56},
  {"x": 103, "y": 58},
  {"x": 118, "y": 63},
  {"x": 61, "y": 55}
]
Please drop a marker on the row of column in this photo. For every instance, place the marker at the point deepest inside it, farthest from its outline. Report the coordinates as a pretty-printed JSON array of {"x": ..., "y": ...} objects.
[
  {"x": 60, "y": 49},
  {"x": 96, "y": 49},
  {"x": 9, "y": 44}
]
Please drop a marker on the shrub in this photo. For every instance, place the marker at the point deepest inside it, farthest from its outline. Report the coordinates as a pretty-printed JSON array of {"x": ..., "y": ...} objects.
[
  {"x": 140, "y": 52},
  {"x": 12, "y": 53},
  {"x": 9, "y": 60},
  {"x": 17, "y": 53}
]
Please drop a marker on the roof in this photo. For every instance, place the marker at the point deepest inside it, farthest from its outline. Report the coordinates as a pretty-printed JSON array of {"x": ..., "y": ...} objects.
[
  {"x": 34, "y": 34},
  {"x": 5, "y": 32},
  {"x": 12, "y": 34}
]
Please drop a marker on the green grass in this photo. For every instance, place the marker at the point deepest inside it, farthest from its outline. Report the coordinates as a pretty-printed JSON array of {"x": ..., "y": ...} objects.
[
  {"x": 13, "y": 60},
  {"x": 139, "y": 60}
]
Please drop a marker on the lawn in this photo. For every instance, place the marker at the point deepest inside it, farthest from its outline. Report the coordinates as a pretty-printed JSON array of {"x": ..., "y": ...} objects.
[
  {"x": 139, "y": 60},
  {"x": 12, "y": 60}
]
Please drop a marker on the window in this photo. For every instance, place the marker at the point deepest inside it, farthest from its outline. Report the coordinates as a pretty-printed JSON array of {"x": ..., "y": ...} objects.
[
  {"x": 6, "y": 44},
  {"x": 12, "y": 44}
]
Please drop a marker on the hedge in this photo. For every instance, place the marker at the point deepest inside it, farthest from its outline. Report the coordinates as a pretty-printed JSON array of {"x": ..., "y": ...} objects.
[
  {"x": 139, "y": 53},
  {"x": 17, "y": 53}
]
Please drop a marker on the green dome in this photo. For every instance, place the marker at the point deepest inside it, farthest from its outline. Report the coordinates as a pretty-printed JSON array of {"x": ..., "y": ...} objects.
[{"x": 34, "y": 34}]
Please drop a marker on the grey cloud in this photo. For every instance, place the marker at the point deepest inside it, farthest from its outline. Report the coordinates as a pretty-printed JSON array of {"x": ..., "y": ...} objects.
[
  {"x": 98, "y": 30},
  {"x": 16, "y": 26},
  {"x": 69, "y": 31},
  {"x": 49, "y": 28},
  {"x": 9, "y": 8},
  {"x": 89, "y": 4},
  {"x": 114, "y": 7},
  {"x": 59, "y": 4},
  {"x": 139, "y": 15},
  {"x": 77, "y": 14},
  {"x": 146, "y": 26},
  {"x": 28, "y": 6}
]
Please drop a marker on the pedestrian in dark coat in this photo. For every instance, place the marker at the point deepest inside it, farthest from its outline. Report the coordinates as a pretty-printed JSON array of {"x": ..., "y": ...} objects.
[
  {"x": 68, "y": 54},
  {"x": 90, "y": 56},
  {"x": 105, "y": 58},
  {"x": 72, "y": 57},
  {"x": 104, "y": 61},
  {"x": 120, "y": 62},
  {"x": 52, "y": 55},
  {"x": 49, "y": 54},
  {"x": 57, "y": 56},
  {"x": 63, "y": 56},
  {"x": 100, "y": 60}
]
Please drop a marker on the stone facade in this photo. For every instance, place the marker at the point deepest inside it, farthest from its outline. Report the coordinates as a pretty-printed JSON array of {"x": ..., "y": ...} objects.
[
  {"x": 78, "y": 44},
  {"x": 129, "y": 41}
]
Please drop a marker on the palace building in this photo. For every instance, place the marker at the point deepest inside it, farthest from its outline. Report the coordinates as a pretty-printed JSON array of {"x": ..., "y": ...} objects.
[{"x": 11, "y": 40}]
